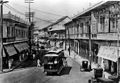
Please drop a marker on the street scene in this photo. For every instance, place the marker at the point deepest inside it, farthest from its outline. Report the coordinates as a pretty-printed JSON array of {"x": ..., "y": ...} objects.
[
  {"x": 70, "y": 74},
  {"x": 60, "y": 41}
]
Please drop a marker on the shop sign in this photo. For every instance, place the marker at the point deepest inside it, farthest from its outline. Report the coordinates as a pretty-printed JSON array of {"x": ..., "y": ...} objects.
[
  {"x": 106, "y": 24},
  {"x": 93, "y": 24},
  {"x": 108, "y": 36}
]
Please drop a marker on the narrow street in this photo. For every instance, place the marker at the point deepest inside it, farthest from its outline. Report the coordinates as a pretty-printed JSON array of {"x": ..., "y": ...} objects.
[{"x": 70, "y": 74}]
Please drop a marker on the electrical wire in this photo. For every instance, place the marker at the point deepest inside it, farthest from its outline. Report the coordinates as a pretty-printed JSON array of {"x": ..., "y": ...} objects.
[
  {"x": 38, "y": 10},
  {"x": 15, "y": 10}
]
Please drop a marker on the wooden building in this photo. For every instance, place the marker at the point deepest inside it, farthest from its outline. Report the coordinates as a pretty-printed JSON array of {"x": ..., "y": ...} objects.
[
  {"x": 15, "y": 38},
  {"x": 94, "y": 34}
]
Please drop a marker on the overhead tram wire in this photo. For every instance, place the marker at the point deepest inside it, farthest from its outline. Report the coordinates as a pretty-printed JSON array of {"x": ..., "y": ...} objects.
[
  {"x": 42, "y": 11},
  {"x": 15, "y": 10}
]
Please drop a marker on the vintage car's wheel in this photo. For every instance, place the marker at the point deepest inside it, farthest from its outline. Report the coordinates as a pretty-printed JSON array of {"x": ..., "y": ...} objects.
[{"x": 58, "y": 73}]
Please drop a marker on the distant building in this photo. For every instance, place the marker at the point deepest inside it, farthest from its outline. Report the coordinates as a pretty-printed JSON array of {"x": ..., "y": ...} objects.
[{"x": 56, "y": 32}]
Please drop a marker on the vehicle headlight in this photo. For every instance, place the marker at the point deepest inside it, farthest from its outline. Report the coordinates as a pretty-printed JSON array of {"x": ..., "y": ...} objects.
[{"x": 55, "y": 62}]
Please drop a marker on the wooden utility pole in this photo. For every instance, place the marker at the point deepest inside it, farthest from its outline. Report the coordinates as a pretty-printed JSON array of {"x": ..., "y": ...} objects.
[
  {"x": 90, "y": 56},
  {"x": 1, "y": 33},
  {"x": 29, "y": 15}
]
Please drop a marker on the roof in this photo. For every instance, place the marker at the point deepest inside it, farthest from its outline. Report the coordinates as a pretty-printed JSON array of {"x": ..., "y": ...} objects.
[
  {"x": 59, "y": 20},
  {"x": 99, "y": 5},
  {"x": 51, "y": 55},
  {"x": 55, "y": 50},
  {"x": 57, "y": 28}
]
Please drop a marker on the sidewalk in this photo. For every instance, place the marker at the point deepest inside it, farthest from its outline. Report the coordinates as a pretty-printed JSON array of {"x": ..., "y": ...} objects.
[{"x": 79, "y": 59}]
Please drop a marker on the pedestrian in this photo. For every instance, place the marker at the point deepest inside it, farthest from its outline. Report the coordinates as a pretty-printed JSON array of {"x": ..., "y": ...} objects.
[
  {"x": 69, "y": 50},
  {"x": 38, "y": 63},
  {"x": 33, "y": 56},
  {"x": 10, "y": 63}
]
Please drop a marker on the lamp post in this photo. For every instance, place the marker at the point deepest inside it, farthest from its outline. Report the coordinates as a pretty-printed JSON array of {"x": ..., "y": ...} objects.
[{"x": 1, "y": 33}]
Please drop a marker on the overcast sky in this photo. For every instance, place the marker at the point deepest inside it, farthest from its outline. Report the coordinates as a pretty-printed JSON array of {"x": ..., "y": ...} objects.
[{"x": 50, "y": 10}]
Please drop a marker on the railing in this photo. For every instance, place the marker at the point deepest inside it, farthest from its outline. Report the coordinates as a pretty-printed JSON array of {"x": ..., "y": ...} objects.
[{"x": 9, "y": 39}]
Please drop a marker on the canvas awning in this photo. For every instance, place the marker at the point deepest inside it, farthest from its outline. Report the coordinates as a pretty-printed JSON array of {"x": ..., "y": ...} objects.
[
  {"x": 21, "y": 46},
  {"x": 109, "y": 52},
  {"x": 25, "y": 46},
  {"x": 10, "y": 50}
]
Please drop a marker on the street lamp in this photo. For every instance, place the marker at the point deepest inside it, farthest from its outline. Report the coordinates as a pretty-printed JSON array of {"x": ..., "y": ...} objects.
[{"x": 1, "y": 35}]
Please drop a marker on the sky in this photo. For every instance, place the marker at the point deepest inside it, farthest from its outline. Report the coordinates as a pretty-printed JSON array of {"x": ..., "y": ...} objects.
[{"x": 47, "y": 11}]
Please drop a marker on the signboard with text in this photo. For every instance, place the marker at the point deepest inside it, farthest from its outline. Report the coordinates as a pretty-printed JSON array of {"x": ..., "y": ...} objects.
[{"x": 93, "y": 24}]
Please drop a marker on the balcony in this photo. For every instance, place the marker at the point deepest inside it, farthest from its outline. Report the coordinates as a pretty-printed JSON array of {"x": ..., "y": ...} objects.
[
  {"x": 8, "y": 39},
  {"x": 99, "y": 36}
]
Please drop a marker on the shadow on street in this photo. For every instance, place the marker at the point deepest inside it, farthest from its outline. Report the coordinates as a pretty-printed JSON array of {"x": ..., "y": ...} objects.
[{"x": 65, "y": 70}]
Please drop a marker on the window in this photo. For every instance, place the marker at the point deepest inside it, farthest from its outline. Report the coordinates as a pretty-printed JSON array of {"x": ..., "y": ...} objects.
[
  {"x": 102, "y": 22},
  {"x": 113, "y": 27}
]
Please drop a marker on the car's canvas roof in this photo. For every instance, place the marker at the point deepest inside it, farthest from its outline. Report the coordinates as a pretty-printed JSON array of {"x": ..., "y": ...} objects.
[
  {"x": 51, "y": 55},
  {"x": 56, "y": 51}
]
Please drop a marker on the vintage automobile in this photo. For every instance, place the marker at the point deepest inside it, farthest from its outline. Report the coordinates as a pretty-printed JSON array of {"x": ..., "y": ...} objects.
[{"x": 53, "y": 61}]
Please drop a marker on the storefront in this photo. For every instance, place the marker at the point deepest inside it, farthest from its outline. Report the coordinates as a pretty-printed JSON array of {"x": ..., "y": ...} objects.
[
  {"x": 5, "y": 60},
  {"x": 22, "y": 49},
  {"x": 11, "y": 55},
  {"x": 84, "y": 49},
  {"x": 107, "y": 58}
]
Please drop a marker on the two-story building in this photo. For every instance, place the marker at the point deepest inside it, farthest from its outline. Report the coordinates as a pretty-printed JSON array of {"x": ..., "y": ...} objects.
[
  {"x": 94, "y": 34},
  {"x": 15, "y": 38},
  {"x": 56, "y": 32}
]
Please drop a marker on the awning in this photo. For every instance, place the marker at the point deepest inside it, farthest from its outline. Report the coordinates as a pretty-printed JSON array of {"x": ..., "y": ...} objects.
[
  {"x": 25, "y": 46},
  {"x": 21, "y": 46},
  {"x": 109, "y": 52},
  {"x": 10, "y": 50}
]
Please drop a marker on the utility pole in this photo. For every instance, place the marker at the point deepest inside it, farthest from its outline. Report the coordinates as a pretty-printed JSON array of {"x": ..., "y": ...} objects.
[
  {"x": 90, "y": 51},
  {"x": 1, "y": 33},
  {"x": 29, "y": 15}
]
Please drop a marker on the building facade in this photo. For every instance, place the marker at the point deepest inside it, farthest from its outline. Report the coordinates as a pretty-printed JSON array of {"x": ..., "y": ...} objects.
[
  {"x": 94, "y": 34},
  {"x": 15, "y": 38},
  {"x": 56, "y": 32}
]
